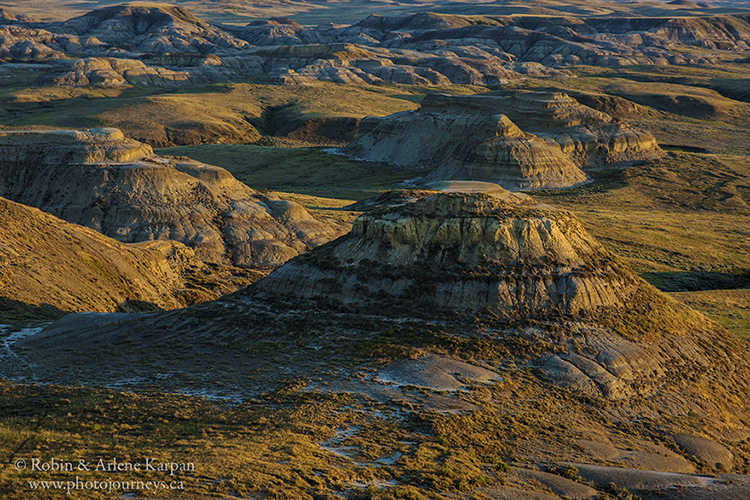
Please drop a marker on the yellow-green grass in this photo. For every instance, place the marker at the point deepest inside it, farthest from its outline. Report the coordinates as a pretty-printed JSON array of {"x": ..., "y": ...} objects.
[
  {"x": 193, "y": 115},
  {"x": 682, "y": 222},
  {"x": 308, "y": 171},
  {"x": 237, "y": 450},
  {"x": 290, "y": 444},
  {"x": 328, "y": 207},
  {"x": 680, "y": 105},
  {"x": 729, "y": 308},
  {"x": 686, "y": 212},
  {"x": 297, "y": 443}
]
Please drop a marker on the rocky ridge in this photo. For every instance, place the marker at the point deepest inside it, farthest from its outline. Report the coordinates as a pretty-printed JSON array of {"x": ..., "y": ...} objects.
[
  {"x": 83, "y": 270},
  {"x": 166, "y": 45},
  {"x": 100, "y": 179},
  {"x": 528, "y": 140}
]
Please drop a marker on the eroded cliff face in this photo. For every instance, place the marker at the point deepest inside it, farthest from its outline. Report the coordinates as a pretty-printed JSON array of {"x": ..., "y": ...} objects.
[
  {"x": 55, "y": 147},
  {"x": 529, "y": 140},
  {"x": 595, "y": 327},
  {"x": 463, "y": 253},
  {"x": 101, "y": 180}
]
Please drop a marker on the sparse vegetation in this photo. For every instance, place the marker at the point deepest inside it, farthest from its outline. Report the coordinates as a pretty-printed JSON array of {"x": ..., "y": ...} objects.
[
  {"x": 219, "y": 113},
  {"x": 292, "y": 399}
]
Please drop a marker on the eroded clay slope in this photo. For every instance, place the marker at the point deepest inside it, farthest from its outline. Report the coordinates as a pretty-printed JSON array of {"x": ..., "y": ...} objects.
[
  {"x": 529, "y": 140},
  {"x": 459, "y": 252},
  {"x": 100, "y": 179}
]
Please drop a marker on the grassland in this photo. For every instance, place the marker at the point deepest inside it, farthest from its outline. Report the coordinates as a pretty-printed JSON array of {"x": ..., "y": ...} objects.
[
  {"x": 289, "y": 444},
  {"x": 309, "y": 171},
  {"x": 316, "y": 426},
  {"x": 220, "y": 113},
  {"x": 301, "y": 443},
  {"x": 730, "y": 308},
  {"x": 682, "y": 222},
  {"x": 679, "y": 105},
  {"x": 236, "y": 450}
]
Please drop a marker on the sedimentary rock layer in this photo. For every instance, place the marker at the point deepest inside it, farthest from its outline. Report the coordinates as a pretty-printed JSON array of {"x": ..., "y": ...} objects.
[
  {"x": 596, "y": 328},
  {"x": 100, "y": 179},
  {"x": 462, "y": 252},
  {"x": 529, "y": 140}
]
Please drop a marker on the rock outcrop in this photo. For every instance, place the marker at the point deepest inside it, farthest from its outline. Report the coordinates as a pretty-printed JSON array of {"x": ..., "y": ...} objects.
[
  {"x": 100, "y": 179},
  {"x": 528, "y": 140},
  {"x": 152, "y": 28},
  {"x": 599, "y": 329},
  {"x": 462, "y": 252},
  {"x": 177, "y": 48}
]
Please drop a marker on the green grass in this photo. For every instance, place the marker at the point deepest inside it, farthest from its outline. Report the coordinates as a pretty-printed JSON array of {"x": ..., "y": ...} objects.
[
  {"x": 729, "y": 308},
  {"x": 298, "y": 170},
  {"x": 219, "y": 113},
  {"x": 244, "y": 450},
  {"x": 686, "y": 212}
]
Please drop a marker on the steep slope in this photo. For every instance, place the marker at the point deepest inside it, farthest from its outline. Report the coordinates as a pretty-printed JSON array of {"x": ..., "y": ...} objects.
[
  {"x": 533, "y": 140},
  {"x": 459, "y": 253},
  {"x": 99, "y": 179},
  {"x": 49, "y": 263}
]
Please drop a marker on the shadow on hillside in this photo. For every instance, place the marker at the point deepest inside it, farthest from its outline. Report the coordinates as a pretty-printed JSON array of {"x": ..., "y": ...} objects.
[
  {"x": 138, "y": 306},
  {"x": 697, "y": 280},
  {"x": 683, "y": 148},
  {"x": 15, "y": 312}
]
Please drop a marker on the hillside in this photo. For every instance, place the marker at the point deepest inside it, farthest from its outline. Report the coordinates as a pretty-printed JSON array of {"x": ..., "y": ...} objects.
[
  {"x": 525, "y": 140},
  {"x": 163, "y": 45},
  {"x": 366, "y": 250},
  {"x": 83, "y": 270}
]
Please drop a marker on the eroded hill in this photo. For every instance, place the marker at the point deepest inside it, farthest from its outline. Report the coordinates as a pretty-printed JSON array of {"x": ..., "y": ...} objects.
[
  {"x": 49, "y": 267},
  {"x": 164, "y": 45},
  {"x": 527, "y": 140},
  {"x": 100, "y": 179}
]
